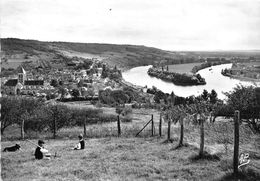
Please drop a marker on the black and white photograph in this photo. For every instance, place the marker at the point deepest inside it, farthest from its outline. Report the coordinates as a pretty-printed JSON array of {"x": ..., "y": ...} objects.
[{"x": 130, "y": 90}]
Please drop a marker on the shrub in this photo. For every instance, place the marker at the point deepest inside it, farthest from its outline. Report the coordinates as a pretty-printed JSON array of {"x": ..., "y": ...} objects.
[
  {"x": 127, "y": 114},
  {"x": 104, "y": 118},
  {"x": 113, "y": 97},
  {"x": 78, "y": 116}
]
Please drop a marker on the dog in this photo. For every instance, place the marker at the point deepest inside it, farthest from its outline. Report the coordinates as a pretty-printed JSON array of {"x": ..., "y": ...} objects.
[{"x": 12, "y": 148}]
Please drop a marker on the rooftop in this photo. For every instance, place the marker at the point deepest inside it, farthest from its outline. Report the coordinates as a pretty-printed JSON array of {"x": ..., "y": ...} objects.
[
  {"x": 33, "y": 82},
  {"x": 20, "y": 69},
  {"x": 11, "y": 82}
]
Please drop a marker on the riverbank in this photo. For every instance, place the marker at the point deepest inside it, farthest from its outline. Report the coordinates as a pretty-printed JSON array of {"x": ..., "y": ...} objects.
[
  {"x": 244, "y": 71},
  {"x": 204, "y": 65},
  {"x": 237, "y": 77}
]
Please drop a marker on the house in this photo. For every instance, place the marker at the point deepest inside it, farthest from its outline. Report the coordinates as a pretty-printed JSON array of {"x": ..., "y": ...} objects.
[
  {"x": 22, "y": 85},
  {"x": 99, "y": 71},
  {"x": 12, "y": 87},
  {"x": 67, "y": 76},
  {"x": 71, "y": 64},
  {"x": 32, "y": 86}
]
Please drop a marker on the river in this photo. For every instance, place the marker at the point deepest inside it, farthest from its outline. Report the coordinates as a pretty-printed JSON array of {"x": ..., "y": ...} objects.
[{"x": 214, "y": 79}]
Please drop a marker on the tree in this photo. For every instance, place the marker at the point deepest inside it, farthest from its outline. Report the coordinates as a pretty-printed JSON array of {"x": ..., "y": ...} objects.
[
  {"x": 61, "y": 83},
  {"x": 63, "y": 91},
  {"x": 9, "y": 109},
  {"x": 83, "y": 117},
  {"x": 176, "y": 114},
  {"x": 244, "y": 99},
  {"x": 172, "y": 99},
  {"x": 257, "y": 92},
  {"x": 205, "y": 95},
  {"x": 58, "y": 117},
  {"x": 38, "y": 120},
  {"x": 81, "y": 82},
  {"x": 90, "y": 91},
  {"x": 199, "y": 112},
  {"x": 15, "y": 110},
  {"x": 104, "y": 73},
  {"x": 119, "y": 96},
  {"x": 54, "y": 82},
  {"x": 213, "y": 96},
  {"x": 75, "y": 93}
]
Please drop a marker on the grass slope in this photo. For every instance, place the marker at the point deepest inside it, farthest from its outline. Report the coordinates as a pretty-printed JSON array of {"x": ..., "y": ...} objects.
[
  {"x": 109, "y": 159},
  {"x": 117, "y": 159}
]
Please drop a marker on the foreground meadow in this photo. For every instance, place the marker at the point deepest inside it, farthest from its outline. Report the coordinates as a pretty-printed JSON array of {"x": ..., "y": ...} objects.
[{"x": 108, "y": 157}]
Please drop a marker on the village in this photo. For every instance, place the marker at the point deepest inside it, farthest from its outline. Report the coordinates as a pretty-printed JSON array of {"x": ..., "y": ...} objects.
[{"x": 62, "y": 83}]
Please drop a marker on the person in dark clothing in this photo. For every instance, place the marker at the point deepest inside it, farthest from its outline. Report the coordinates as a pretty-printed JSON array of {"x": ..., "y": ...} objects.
[
  {"x": 40, "y": 150},
  {"x": 81, "y": 144}
]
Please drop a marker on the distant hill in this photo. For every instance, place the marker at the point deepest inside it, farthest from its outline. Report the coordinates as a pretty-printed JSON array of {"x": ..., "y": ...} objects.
[{"x": 124, "y": 56}]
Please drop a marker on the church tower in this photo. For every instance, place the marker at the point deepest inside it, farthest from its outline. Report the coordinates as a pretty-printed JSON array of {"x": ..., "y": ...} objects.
[{"x": 21, "y": 75}]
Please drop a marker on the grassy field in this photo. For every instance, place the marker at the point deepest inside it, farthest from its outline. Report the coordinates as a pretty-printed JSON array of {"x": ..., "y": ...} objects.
[
  {"x": 108, "y": 157},
  {"x": 182, "y": 68}
]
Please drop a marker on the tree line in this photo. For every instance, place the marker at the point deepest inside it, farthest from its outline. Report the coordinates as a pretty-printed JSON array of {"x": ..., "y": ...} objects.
[{"x": 36, "y": 115}]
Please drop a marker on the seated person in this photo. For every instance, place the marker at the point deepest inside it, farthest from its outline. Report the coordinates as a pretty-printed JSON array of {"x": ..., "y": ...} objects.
[
  {"x": 40, "y": 151},
  {"x": 81, "y": 144}
]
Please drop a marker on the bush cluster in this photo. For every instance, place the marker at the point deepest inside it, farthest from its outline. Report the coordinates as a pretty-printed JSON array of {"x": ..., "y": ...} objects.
[{"x": 117, "y": 97}]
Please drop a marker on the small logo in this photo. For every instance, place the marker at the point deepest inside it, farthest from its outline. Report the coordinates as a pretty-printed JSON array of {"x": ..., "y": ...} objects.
[{"x": 243, "y": 159}]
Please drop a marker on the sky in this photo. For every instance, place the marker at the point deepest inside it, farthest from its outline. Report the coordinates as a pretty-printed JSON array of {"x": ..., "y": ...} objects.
[{"x": 166, "y": 24}]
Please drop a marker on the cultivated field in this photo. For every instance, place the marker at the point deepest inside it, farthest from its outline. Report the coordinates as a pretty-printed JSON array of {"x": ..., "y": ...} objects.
[
  {"x": 12, "y": 63},
  {"x": 182, "y": 68}
]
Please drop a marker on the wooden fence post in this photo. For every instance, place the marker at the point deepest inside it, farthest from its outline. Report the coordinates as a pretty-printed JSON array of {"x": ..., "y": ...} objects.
[
  {"x": 85, "y": 129},
  {"x": 160, "y": 126},
  {"x": 118, "y": 126},
  {"x": 22, "y": 129},
  {"x": 54, "y": 128},
  {"x": 169, "y": 130},
  {"x": 181, "y": 136},
  {"x": 54, "y": 122},
  {"x": 236, "y": 141},
  {"x": 201, "y": 137},
  {"x": 152, "y": 126}
]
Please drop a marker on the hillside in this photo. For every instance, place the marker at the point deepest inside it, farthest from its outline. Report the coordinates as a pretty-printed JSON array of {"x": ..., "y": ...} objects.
[
  {"x": 14, "y": 51},
  {"x": 124, "y": 56}
]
